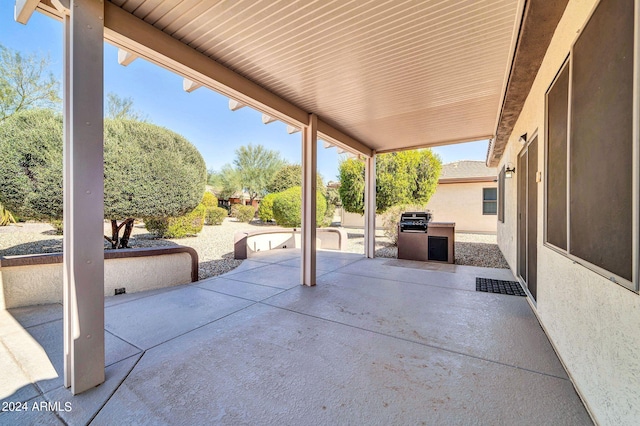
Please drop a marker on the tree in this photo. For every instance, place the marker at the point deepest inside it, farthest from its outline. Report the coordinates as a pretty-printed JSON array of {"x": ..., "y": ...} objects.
[
  {"x": 255, "y": 166},
  {"x": 407, "y": 177},
  {"x": 288, "y": 176},
  {"x": 226, "y": 182},
  {"x": 25, "y": 83},
  {"x": 149, "y": 171},
  {"x": 122, "y": 108}
]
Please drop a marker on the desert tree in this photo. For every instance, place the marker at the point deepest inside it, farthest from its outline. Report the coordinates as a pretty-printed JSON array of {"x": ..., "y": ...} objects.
[{"x": 25, "y": 82}]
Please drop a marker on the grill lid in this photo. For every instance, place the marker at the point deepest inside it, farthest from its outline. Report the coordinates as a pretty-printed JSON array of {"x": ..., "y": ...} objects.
[
  {"x": 414, "y": 221},
  {"x": 415, "y": 216}
]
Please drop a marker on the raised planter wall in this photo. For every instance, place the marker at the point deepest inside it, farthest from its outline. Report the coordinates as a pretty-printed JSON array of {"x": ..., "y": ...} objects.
[
  {"x": 37, "y": 279},
  {"x": 248, "y": 243}
]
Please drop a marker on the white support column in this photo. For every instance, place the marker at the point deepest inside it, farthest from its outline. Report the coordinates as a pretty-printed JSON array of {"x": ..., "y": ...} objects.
[
  {"x": 83, "y": 258},
  {"x": 309, "y": 185},
  {"x": 370, "y": 207}
]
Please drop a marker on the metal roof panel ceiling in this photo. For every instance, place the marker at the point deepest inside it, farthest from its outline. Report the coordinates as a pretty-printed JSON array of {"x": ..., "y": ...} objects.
[{"x": 393, "y": 74}]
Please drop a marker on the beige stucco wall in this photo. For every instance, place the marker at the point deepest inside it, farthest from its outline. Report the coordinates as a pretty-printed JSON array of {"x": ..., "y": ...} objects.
[
  {"x": 462, "y": 203},
  {"x": 452, "y": 202},
  {"x": 42, "y": 284},
  {"x": 593, "y": 323}
]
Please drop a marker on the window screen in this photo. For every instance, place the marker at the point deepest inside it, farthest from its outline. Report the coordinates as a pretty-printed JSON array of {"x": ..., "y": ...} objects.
[
  {"x": 501, "y": 195},
  {"x": 601, "y": 145},
  {"x": 557, "y": 120},
  {"x": 489, "y": 201}
]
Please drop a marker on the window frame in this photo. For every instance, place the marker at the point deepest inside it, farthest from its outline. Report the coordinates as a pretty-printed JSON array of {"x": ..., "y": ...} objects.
[
  {"x": 634, "y": 283},
  {"x": 501, "y": 194},
  {"x": 485, "y": 201}
]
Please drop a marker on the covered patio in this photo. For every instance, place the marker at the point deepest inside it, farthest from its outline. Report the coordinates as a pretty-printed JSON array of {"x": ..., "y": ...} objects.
[{"x": 377, "y": 341}]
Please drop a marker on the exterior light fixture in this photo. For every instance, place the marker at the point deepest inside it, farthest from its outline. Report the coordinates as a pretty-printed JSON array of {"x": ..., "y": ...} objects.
[
  {"x": 509, "y": 171},
  {"x": 523, "y": 139}
]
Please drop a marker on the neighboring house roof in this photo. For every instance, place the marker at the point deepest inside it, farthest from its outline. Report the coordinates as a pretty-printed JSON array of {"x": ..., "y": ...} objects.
[{"x": 467, "y": 171}]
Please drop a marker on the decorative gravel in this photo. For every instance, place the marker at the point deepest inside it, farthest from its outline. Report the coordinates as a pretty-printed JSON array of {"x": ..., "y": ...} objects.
[
  {"x": 470, "y": 249},
  {"x": 215, "y": 244}
]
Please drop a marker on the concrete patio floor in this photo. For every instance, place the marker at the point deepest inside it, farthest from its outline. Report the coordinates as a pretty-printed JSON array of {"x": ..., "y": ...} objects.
[{"x": 377, "y": 341}]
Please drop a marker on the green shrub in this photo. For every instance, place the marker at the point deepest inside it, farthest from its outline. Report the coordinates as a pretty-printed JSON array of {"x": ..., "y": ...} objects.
[
  {"x": 233, "y": 210},
  {"x": 57, "y": 226},
  {"x": 391, "y": 217},
  {"x": 245, "y": 213},
  {"x": 178, "y": 227},
  {"x": 6, "y": 217},
  {"x": 209, "y": 200},
  {"x": 215, "y": 215},
  {"x": 327, "y": 220},
  {"x": 287, "y": 207},
  {"x": 265, "y": 209}
]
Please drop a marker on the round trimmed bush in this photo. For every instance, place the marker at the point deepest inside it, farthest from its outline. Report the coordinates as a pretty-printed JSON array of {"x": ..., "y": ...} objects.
[
  {"x": 209, "y": 200},
  {"x": 287, "y": 207},
  {"x": 245, "y": 213},
  {"x": 215, "y": 215},
  {"x": 149, "y": 171},
  {"x": 265, "y": 209},
  {"x": 186, "y": 225}
]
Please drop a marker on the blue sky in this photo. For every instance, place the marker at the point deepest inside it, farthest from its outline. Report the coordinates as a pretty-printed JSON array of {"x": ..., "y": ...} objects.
[{"x": 202, "y": 116}]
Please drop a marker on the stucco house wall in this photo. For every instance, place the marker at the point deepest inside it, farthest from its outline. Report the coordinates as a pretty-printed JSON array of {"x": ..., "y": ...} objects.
[
  {"x": 592, "y": 322},
  {"x": 462, "y": 203}
]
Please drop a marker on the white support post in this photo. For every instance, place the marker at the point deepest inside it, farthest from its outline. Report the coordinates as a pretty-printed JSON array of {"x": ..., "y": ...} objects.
[
  {"x": 370, "y": 207},
  {"x": 309, "y": 184},
  {"x": 83, "y": 253}
]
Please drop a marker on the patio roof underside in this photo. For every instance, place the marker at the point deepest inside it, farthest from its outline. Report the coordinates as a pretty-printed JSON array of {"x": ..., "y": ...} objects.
[{"x": 381, "y": 75}]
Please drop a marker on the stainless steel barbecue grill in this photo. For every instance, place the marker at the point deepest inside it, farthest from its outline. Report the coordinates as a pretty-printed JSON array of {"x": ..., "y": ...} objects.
[{"x": 415, "y": 221}]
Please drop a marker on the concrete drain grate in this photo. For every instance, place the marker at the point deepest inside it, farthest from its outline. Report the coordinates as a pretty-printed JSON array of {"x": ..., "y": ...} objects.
[{"x": 499, "y": 286}]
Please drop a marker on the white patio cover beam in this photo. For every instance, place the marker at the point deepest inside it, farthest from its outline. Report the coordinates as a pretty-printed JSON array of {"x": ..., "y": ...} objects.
[
  {"x": 189, "y": 86},
  {"x": 83, "y": 253},
  {"x": 309, "y": 186},
  {"x": 134, "y": 35},
  {"x": 23, "y": 9},
  {"x": 235, "y": 105},
  {"x": 370, "y": 207},
  {"x": 292, "y": 129},
  {"x": 125, "y": 58},
  {"x": 266, "y": 119}
]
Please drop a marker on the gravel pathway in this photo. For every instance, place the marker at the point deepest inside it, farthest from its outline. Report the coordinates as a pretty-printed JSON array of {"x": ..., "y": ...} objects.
[{"x": 215, "y": 244}]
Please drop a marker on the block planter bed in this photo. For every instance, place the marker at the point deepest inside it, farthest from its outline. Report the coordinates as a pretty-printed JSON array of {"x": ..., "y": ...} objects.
[{"x": 36, "y": 279}]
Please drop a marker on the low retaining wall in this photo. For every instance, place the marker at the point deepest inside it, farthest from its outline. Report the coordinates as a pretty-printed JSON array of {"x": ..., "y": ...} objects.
[
  {"x": 37, "y": 279},
  {"x": 247, "y": 243}
]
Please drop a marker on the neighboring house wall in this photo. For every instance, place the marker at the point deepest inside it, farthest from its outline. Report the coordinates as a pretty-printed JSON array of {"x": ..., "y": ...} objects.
[
  {"x": 593, "y": 323},
  {"x": 462, "y": 203}
]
